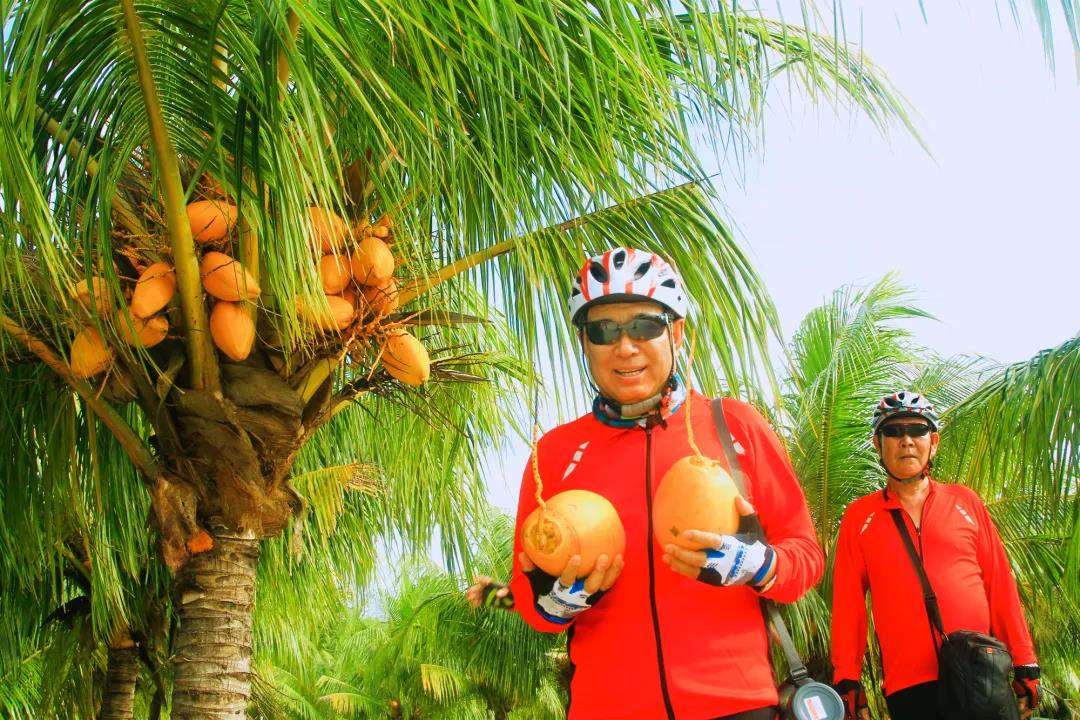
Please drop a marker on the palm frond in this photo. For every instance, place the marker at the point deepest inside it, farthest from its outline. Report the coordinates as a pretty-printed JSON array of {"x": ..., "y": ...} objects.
[{"x": 845, "y": 355}]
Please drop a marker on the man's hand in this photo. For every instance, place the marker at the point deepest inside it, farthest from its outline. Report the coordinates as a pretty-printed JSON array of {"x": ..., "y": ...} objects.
[
  {"x": 604, "y": 573},
  {"x": 854, "y": 697},
  {"x": 561, "y": 599},
  {"x": 1026, "y": 686},
  {"x": 726, "y": 559},
  {"x": 489, "y": 593}
]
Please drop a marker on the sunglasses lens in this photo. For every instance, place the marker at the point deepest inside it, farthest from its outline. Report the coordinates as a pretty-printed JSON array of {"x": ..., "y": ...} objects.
[
  {"x": 645, "y": 328},
  {"x": 602, "y": 332},
  {"x": 895, "y": 431},
  {"x": 606, "y": 332}
]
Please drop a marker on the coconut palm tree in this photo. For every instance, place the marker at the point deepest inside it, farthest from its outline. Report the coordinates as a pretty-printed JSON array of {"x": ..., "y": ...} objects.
[{"x": 172, "y": 174}]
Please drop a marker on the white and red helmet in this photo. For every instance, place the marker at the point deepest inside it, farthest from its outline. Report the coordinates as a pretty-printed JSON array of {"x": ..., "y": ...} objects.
[
  {"x": 904, "y": 403},
  {"x": 626, "y": 275}
]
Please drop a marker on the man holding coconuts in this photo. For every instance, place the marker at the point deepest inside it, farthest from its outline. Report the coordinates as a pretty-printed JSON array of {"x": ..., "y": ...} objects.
[
  {"x": 628, "y": 531},
  {"x": 938, "y": 576}
]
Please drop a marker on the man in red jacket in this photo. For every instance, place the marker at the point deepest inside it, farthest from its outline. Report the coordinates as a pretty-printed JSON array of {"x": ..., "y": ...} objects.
[
  {"x": 659, "y": 632},
  {"x": 964, "y": 561}
]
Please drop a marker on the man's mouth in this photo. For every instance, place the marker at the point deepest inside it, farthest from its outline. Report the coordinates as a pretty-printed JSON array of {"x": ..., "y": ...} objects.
[{"x": 630, "y": 373}]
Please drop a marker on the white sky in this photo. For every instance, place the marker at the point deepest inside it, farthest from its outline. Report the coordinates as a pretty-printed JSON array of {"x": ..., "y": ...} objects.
[{"x": 984, "y": 233}]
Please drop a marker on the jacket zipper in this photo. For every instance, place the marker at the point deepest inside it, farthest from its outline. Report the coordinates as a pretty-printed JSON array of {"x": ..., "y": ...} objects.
[
  {"x": 922, "y": 559},
  {"x": 652, "y": 577}
]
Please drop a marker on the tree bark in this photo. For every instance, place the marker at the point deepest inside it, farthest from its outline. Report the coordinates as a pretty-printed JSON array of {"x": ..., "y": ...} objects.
[
  {"x": 215, "y": 595},
  {"x": 119, "y": 700}
]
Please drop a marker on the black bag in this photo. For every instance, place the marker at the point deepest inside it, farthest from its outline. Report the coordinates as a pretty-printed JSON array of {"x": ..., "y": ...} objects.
[
  {"x": 973, "y": 668},
  {"x": 801, "y": 697}
]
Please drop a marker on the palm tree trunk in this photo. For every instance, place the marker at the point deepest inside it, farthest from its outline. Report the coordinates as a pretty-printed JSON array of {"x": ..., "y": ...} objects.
[
  {"x": 119, "y": 700},
  {"x": 212, "y": 665}
]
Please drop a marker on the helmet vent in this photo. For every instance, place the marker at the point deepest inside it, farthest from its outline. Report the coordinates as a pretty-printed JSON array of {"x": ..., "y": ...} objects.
[
  {"x": 618, "y": 259},
  {"x": 670, "y": 282},
  {"x": 642, "y": 269},
  {"x": 599, "y": 272}
]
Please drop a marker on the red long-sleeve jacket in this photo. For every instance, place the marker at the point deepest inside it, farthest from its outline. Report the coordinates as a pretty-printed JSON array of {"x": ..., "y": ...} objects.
[
  {"x": 659, "y": 644},
  {"x": 967, "y": 567}
]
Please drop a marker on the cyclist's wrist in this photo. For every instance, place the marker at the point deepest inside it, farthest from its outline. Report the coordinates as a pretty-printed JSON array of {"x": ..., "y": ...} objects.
[{"x": 766, "y": 577}]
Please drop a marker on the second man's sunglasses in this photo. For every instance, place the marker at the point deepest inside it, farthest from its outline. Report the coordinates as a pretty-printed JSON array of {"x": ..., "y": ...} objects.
[
  {"x": 914, "y": 430},
  {"x": 643, "y": 327}
]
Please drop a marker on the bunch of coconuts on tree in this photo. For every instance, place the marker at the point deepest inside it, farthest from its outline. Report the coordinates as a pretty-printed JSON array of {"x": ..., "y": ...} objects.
[
  {"x": 274, "y": 394},
  {"x": 356, "y": 270}
]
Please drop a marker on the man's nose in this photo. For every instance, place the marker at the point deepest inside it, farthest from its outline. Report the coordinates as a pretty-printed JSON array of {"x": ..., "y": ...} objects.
[{"x": 624, "y": 345}]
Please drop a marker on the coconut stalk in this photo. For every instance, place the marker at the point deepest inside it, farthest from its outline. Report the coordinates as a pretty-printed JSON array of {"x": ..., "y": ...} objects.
[
  {"x": 292, "y": 20},
  {"x": 118, "y": 702},
  {"x": 201, "y": 358},
  {"x": 212, "y": 655},
  {"x": 249, "y": 237}
]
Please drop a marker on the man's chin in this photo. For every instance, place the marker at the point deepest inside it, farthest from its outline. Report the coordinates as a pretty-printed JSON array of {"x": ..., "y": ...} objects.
[
  {"x": 907, "y": 475},
  {"x": 629, "y": 398}
]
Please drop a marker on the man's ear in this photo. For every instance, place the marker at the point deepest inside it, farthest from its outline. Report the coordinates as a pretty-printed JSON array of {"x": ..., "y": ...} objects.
[
  {"x": 877, "y": 442},
  {"x": 678, "y": 330},
  {"x": 935, "y": 438}
]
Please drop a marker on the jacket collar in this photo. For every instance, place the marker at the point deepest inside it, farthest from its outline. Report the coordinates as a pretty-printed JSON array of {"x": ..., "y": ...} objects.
[{"x": 890, "y": 500}]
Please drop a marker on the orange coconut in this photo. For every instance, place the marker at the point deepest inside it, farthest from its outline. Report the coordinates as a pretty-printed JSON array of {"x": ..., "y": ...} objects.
[
  {"x": 232, "y": 329},
  {"x": 211, "y": 220},
  {"x": 89, "y": 354},
  {"x": 696, "y": 493},
  {"x": 381, "y": 299},
  {"x": 406, "y": 359},
  {"x": 335, "y": 273},
  {"x": 154, "y": 290},
  {"x": 349, "y": 294},
  {"x": 338, "y": 314},
  {"x": 372, "y": 263},
  {"x": 575, "y": 522},
  {"x": 101, "y": 300},
  {"x": 328, "y": 228},
  {"x": 227, "y": 279},
  {"x": 146, "y": 332}
]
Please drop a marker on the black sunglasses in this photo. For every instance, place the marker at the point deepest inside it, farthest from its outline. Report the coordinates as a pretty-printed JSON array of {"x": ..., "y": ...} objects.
[
  {"x": 643, "y": 327},
  {"x": 913, "y": 430}
]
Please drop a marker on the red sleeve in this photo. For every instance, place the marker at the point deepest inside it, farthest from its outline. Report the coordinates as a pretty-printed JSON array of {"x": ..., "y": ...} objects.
[
  {"x": 1007, "y": 622},
  {"x": 780, "y": 504},
  {"x": 524, "y": 601},
  {"x": 849, "y": 621}
]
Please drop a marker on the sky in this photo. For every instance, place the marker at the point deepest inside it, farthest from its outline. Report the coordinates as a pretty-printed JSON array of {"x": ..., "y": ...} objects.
[{"x": 982, "y": 230}]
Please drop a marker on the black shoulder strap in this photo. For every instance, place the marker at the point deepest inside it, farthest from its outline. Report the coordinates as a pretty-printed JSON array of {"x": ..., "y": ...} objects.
[
  {"x": 929, "y": 598},
  {"x": 752, "y": 526}
]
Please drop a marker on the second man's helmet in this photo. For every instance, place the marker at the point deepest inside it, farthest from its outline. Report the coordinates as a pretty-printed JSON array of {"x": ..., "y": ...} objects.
[{"x": 904, "y": 404}]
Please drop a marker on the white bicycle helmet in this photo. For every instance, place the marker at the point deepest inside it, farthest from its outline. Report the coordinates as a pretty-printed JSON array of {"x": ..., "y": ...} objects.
[
  {"x": 626, "y": 275},
  {"x": 904, "y": 403}
]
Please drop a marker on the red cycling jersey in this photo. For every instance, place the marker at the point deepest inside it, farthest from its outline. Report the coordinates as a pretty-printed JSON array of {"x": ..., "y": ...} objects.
[
  {"x": 968, "y": 570},
  {"x": 659, "y": 644}
]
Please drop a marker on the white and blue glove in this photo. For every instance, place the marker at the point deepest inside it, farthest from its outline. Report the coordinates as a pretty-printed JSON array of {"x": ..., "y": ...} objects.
[
  {"x": 739, "y": 560},
  {"x": 726, "y": 560},
  {"x": 561, "y": 599},
  {"x": 561, "y": 604}
]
